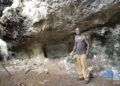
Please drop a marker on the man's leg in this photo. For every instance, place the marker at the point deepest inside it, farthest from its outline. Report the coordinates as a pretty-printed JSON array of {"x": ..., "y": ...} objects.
[
  {"x": 79, "y": 67},
  {"x": 84, "y": 66}
]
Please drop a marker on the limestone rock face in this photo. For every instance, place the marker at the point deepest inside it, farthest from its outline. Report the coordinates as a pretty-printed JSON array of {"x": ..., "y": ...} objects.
[
  {"x": 38, "y": 17},
  {"x": 26, "y": 22},
  {"x": 4, "y": 4}
]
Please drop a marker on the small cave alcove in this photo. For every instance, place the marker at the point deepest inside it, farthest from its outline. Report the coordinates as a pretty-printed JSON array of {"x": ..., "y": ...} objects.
[{"x": 56, "y": 50}]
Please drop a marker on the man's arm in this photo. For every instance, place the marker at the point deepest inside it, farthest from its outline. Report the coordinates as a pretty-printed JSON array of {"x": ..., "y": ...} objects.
[
  {"x": 75, "y": 43},
  {"x": 74, "y": 46},
  {"x": 88, "y": 46}
]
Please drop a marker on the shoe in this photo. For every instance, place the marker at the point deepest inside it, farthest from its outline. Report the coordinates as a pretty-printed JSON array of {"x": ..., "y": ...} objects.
[
  {"x": 81, "y": 78},
  {"x": 87, "y": 81},
  {"x": 91, "y": 75}
]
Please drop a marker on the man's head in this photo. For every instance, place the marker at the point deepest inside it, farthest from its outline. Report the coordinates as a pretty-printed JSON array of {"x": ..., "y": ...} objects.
[{"x": 77, "y": 31}]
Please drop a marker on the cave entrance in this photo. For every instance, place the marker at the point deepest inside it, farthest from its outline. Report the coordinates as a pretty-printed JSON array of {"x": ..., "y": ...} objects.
[{"x": 56, "y": 50}]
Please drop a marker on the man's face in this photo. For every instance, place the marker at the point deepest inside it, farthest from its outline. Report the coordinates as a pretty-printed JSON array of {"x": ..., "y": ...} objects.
[{"x": 77, "y": 31}]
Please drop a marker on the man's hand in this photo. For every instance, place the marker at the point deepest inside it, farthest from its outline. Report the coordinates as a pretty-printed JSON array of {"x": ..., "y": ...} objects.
[
  {"x": 71, "y": 53},
  {"x": 86, "y": 52}
]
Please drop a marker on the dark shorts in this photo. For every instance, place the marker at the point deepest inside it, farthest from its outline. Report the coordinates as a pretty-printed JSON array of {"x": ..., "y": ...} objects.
[{"x": 80, "y": 52}]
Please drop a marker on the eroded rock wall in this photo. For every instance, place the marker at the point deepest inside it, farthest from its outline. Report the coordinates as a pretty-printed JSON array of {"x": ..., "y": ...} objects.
[{"x": 53, "y": 22}]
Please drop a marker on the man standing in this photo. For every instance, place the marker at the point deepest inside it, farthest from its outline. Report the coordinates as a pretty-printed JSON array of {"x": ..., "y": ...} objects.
[{"x": 81, "y": 47}]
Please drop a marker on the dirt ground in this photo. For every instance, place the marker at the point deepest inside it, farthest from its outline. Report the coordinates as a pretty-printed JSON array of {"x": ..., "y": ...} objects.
[{"x": 53, "y": 73}]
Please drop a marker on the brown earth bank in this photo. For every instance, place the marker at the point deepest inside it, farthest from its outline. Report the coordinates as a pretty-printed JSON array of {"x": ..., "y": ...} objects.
[{"x": 52, "y": 73}]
